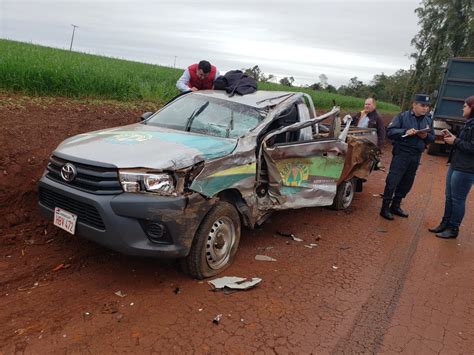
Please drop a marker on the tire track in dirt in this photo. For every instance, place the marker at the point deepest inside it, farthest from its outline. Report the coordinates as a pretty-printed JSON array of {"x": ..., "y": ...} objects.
[{"x": 372, "y": 321}]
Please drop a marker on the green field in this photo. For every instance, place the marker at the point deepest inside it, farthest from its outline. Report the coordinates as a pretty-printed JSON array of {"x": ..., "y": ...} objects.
[{"x": 45, "y": 71}]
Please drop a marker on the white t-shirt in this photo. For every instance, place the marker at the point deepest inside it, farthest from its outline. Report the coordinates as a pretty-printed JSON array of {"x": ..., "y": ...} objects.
[{"x": 363, "y": 122}]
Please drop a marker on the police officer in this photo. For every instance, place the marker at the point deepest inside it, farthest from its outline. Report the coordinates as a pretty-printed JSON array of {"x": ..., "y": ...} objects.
[{"x": 410, "y": 132}]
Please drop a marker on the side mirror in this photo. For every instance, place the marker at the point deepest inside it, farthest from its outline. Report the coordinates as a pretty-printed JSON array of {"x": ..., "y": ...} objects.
[{"x": 145, "y": 115}]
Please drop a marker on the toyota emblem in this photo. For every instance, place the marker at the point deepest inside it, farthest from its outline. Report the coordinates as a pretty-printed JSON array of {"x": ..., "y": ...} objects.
[{"x": 68, "y": 172}]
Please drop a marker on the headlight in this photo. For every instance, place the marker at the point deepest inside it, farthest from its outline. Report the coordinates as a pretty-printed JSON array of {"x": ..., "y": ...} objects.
[{"x": 133, "y": 181}]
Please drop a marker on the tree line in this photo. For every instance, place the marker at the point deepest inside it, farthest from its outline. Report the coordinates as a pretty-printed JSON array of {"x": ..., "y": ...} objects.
[{"x": 446, "y": 31}]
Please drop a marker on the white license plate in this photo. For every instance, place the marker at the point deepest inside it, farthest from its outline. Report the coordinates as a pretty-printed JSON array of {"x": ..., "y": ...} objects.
[{"x": 65, "y": 220}]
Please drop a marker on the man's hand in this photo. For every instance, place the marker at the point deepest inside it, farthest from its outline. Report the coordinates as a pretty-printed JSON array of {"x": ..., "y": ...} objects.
[
  {"x": 194, "y": 89},
  {"x": 450, "y": 139},
  {"x": 410, "y": 132},
  {"x": 422, "y": 135}
]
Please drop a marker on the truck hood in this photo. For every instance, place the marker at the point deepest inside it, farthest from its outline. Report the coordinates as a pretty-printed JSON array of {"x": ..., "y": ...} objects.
[{"x": 142, "y": 146}]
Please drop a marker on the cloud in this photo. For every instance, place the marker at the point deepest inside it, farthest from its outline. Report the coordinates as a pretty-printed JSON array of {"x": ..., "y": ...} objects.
[{"x": 302, "y": 38}]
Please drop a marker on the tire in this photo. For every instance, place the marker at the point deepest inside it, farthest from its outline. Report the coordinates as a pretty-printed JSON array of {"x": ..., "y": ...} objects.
[
  {"x": 433, "y": 149},
  {"x": 215, "y": 243},
  {"x": 344, "y": 195}
]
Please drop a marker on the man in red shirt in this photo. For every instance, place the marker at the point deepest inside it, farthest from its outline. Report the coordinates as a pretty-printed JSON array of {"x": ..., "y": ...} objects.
[{"x": 198, "y": 77}]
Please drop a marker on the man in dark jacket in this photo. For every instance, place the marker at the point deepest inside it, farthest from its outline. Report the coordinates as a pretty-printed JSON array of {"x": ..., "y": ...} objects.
[
  {"x": 410, "y": 132},
  {"x": 369, "y": 118}
]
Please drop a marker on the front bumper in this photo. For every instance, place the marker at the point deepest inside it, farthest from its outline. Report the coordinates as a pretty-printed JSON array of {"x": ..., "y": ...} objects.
[{"x": 123, "y": 222}]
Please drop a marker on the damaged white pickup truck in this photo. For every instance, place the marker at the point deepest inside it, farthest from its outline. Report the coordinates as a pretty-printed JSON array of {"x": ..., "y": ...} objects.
[{"x": 181, "y": 183}]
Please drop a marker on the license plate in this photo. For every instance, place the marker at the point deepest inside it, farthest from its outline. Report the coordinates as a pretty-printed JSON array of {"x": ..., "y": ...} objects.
[{"x": 65, "y": 220}]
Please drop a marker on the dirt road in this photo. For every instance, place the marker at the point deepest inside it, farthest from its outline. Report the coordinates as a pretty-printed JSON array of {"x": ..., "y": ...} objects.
[{"x": 370, "y": 285}]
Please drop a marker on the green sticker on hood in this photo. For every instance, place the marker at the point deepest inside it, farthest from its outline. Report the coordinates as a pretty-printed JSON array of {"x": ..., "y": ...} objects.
[{"x": 211, "y": 147}]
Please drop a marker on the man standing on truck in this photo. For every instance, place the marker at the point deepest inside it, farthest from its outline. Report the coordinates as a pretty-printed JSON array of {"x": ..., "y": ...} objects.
[
  {"x": 410, "y": 132},
  {"x": 198, "y": 77},
  {"x": 369, "y": 118}
]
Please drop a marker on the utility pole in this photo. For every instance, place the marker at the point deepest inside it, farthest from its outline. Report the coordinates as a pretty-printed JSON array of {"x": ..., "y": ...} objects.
[
  {"x": 174, "y": 64},
  {"x": 72, "y": 38}
]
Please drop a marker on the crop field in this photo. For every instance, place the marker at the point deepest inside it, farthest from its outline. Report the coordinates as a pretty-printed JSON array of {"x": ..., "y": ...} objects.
[{"x": 45, "y": 71}]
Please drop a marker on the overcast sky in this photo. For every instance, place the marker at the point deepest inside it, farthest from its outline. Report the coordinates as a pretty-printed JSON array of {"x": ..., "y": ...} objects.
[{"x": 299, "y": 38}]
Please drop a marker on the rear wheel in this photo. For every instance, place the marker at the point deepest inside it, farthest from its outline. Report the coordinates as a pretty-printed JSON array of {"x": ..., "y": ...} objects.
[
  {"x": 215, "y": 243},
  {"x": 344, "y": 195}
]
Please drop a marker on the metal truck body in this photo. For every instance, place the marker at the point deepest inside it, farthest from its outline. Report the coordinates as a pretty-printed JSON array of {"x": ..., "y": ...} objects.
[{"x": 456, "y": 86}]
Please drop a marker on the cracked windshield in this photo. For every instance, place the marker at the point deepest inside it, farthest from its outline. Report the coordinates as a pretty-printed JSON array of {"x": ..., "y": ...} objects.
[{"x": 209, "y": 116}]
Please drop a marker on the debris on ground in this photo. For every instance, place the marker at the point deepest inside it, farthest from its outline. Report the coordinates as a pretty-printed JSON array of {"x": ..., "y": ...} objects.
[
  {"x": 59, "y": 267},
  {"x": 109, "y": 308},
  {"x": 264, "y": 258},
  {"x": 62, "y": 266},
  {"x": 217, "y": 319},
  {"x": 26, "y": 288},
  {"x": 227, "y": 283},
  {"x": 311, "y": 246},
  {"x": 87, "y": 315},
  {"x": 381, "y": 230},
  {"x": 177, "y": 290},
  {"x": 289, "y": 235},
  {"x": 335, "y": 267},
  {"x": 120, "y": 294}
]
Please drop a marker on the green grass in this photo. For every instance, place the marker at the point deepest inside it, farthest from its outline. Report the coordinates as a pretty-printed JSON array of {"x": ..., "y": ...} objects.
[
  {"x": 42, "y": 70},
  {"x": 39, "y": 70}
]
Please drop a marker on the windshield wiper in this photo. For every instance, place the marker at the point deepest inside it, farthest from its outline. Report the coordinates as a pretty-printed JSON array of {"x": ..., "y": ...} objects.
[
  {"x": 273, "y": 98},
  {"x": 196, "y": 113},
  {"x": 230, "y": 126}
]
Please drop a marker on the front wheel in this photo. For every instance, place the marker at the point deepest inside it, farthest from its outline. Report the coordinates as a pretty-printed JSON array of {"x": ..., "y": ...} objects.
[
  {"x": 215, "y": 243},
  {"x": 344, "y": 195}
]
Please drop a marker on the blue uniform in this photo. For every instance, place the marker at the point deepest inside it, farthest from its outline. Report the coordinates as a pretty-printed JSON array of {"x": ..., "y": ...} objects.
[{"x": 406, "y": 153}]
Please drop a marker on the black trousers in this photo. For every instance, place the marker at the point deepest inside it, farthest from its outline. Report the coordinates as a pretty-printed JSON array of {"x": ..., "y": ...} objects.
[{"x": 401, "y": 175}]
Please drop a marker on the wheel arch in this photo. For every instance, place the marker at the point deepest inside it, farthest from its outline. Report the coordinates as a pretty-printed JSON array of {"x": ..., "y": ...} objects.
[{"x": 234, "y": 197}]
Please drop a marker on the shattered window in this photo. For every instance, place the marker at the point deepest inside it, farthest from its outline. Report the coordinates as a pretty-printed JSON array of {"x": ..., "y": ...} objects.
[{"x": 207, "y": 115}]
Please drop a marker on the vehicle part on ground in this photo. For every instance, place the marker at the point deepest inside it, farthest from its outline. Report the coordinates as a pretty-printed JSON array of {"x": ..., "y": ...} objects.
[{"x": 215, "y": 243}]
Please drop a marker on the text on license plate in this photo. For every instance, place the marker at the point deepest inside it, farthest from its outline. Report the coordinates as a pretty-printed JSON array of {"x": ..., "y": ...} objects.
[{"x": 65, "y": 220}]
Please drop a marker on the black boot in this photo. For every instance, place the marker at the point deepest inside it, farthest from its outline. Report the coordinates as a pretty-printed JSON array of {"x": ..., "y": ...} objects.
[
  {"x": 442, "y": 226},
  {"x": 385, "y": 211},
  {"x": 395, "y": 208},
  {"x": 449, "y": 232}
]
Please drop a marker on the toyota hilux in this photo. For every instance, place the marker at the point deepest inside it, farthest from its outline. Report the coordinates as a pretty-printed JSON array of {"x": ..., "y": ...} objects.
[{"x": 182, "y": 182}]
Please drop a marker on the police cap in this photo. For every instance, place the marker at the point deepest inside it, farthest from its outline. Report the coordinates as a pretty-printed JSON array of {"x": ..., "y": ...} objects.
[{"x": 422, "y": 99}]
